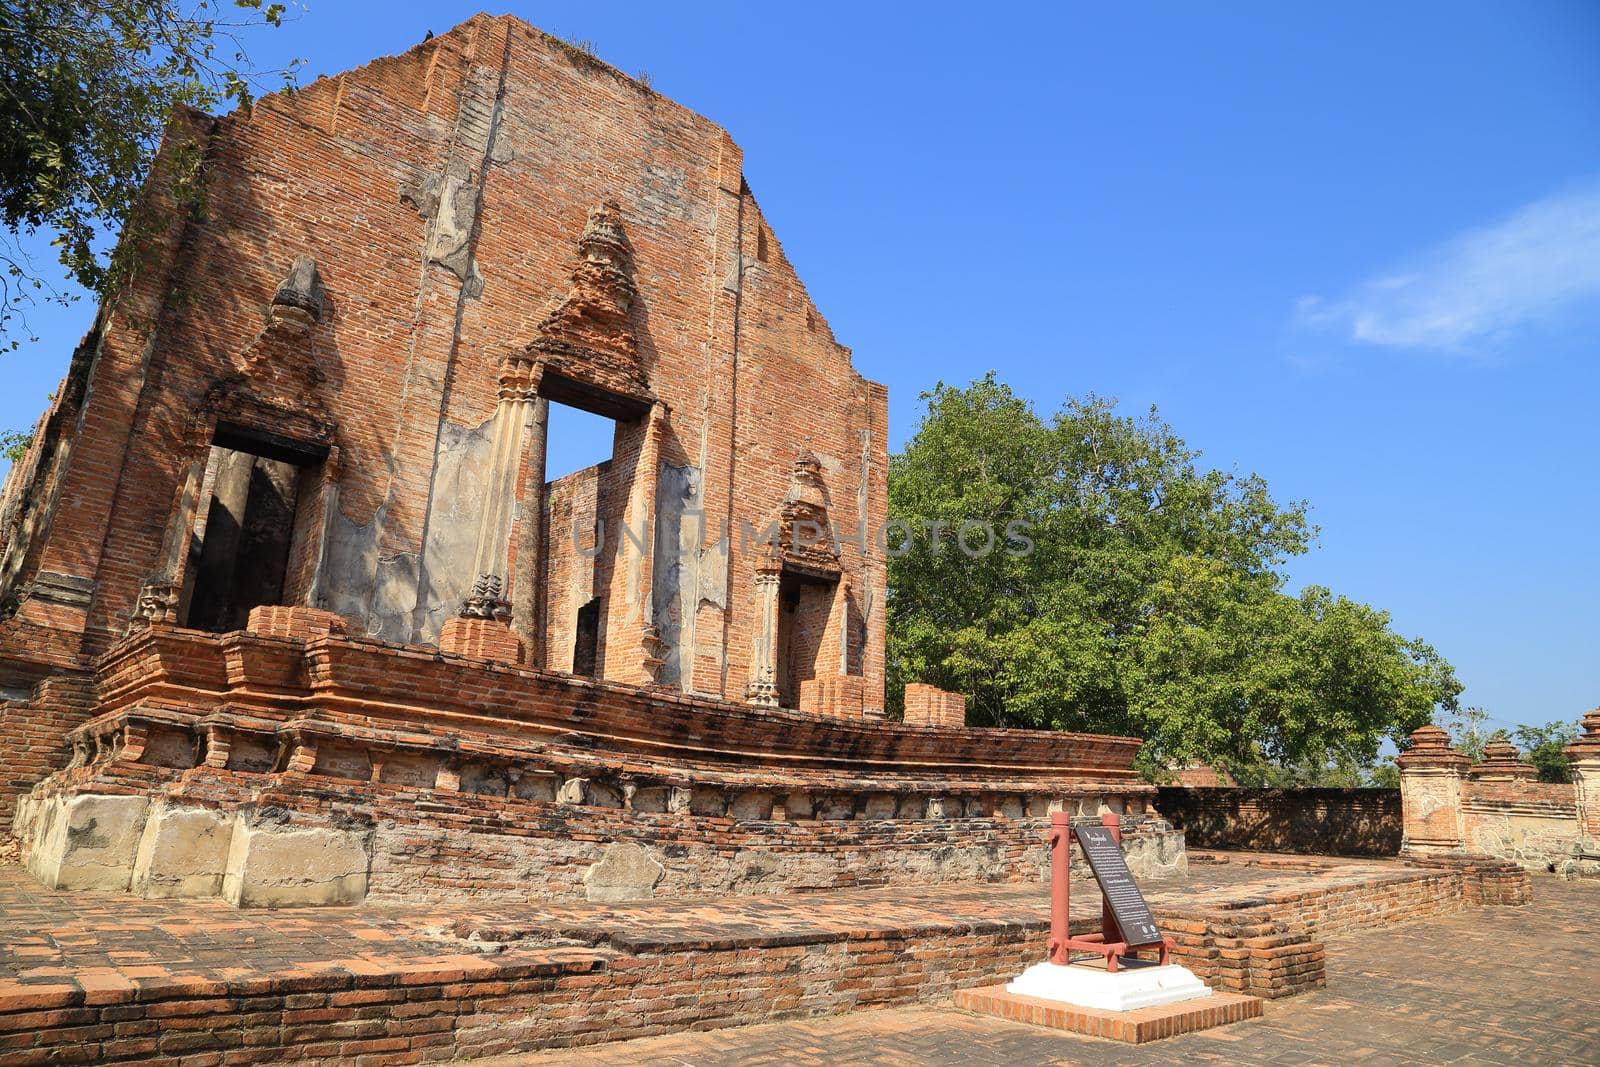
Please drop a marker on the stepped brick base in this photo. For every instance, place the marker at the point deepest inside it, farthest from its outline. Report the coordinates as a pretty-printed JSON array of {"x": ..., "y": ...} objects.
[
  {"x": 289, "y": 764},
  {"x": 488, "y": 639}
]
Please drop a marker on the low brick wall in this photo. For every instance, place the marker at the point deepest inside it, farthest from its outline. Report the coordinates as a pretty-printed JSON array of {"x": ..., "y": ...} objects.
[
  {"x": 1269, "y": 945},
  {"x": 1329, "y": 822},
  {"x": 494, "y": 1008}
]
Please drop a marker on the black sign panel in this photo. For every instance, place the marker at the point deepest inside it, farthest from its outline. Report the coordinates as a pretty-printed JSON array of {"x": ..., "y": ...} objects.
[{"x": 1133, "y": 916}]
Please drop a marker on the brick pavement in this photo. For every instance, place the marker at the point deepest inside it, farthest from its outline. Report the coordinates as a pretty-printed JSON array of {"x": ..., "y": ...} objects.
[
  {"x": 106, "y": 977},
  {"x": 1481, "y": 986},
  {"x": 47, "y": 936}
]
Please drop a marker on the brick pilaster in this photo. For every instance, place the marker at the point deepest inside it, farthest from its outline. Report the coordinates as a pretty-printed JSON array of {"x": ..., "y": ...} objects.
[{"x": 1431, "y": 773}]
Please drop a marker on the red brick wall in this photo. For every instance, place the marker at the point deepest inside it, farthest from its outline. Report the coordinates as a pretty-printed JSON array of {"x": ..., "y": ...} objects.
[
  {"x": 578, "y": 567},
  {"x": 34, "y": 734},
  {"x": 407, "y": 347},
  {"x": 1332, "y": 822}
]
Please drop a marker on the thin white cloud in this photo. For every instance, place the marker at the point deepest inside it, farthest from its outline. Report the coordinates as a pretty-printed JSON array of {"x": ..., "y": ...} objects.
[{"x": 1476, "y": 289}]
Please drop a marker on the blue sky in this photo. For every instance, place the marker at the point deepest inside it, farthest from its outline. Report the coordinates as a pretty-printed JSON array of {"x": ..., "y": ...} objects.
[{"x": 1354, "y": 248}]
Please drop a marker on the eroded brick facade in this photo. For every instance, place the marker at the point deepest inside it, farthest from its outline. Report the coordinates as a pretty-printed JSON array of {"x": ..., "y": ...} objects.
[
  {"x": 397, "y": 269},
  {"x": 285, "y": 576}
]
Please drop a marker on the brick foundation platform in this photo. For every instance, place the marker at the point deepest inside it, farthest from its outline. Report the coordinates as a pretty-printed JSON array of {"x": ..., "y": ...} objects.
[
  {"x": 289, "y": 767},
  {"x": 99, "y": 977}
]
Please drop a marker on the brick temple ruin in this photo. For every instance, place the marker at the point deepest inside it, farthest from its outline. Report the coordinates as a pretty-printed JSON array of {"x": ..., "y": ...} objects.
[{"x": 289, "y": 612}]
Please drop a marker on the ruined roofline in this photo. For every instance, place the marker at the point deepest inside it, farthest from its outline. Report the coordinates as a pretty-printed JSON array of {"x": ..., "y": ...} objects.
[
  {"x": 283, "y": 101},
  {"x": 781, "y": 256},
  {"x": 294, "y": 104}
]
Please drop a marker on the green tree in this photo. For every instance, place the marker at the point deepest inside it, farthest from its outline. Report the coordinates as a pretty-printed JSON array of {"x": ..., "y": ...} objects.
[
  {"x": 86, "y": 88},
  {"x": 1383, "y": 775},
  {"x": 14, "y": 445},
  {"x": 1543, "y": 747},
  {"x": 1148, "y": 600}
]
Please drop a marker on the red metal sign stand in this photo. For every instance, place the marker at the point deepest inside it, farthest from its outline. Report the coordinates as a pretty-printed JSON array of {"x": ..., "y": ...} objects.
[{"x": 1109, "y": 941}]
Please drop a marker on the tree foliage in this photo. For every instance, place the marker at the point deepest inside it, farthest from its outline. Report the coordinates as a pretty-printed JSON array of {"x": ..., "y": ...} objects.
[
  {"x": 1543, "y": 746},
  {"x": 1469, "y": 731},
  {"x": 1151, "y": 603},
  {"x": 14, "y": 445},
  {"x": 86, "y": 88}
]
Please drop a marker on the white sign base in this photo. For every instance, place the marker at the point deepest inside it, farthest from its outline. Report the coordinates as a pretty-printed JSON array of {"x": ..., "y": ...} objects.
[{"x": 1129, "y": 988}]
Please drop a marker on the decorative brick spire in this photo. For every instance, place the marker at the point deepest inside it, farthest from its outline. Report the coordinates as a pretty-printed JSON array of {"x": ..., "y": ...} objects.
[
  {"x": 1502, "y": 762},
  {"x": 485, "y": 601},
  {"x": 1430, "y": 747},
  {"x": 1586, "y": 747},
  {"x": 589, "y": 335}
]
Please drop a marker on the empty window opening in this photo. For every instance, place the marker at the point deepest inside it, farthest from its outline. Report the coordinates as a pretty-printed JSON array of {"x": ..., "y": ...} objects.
[
  {"x": 587, "y": 642},
  {"x": 582, "y": 506},
  {"x": 576, "y": 440},
  {"x": 251, "y": 538},
  {"x": 804, "y": 606}
]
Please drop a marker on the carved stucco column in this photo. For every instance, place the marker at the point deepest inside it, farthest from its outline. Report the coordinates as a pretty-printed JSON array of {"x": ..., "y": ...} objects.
[
  {"x": 841, "y": 612},
  {"x": 491, "y": 559},
  {"x": 160, "y": 596},
  {"x": 317, "y": 591},
  {"x": 1431, "y": 773},
  {"x": 763, "y": 687},
  {"x": 527, "y": 584},
  {"x": 638, "y": 559},
  {"x": 1584, "y": 756}
]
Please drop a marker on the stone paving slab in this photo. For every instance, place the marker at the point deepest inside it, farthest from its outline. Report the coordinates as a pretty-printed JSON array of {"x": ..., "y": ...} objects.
[{"x": 1480, "y": 986}]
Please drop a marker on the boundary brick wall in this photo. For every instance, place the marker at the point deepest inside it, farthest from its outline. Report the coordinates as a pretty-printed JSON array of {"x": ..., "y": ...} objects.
[
  {"x": 1329, "y": 822},
  {"x": 1496, "y": 807},
  {"x": 1531, "y": 823}
]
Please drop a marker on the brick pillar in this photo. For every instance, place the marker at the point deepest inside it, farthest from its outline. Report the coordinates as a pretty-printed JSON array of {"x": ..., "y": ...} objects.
[
  {"x": 928, "y": 705},
  {"x": 652, "y": 649},
  {"x": 481, "y": 638},
  {"x": 839, "y": 695},
  {"x": 1584, "y": 756},
  {"x": 527, "y": 581},
  {"x": 1431, "y": 773},
  {"x": 297, "y": 621}
]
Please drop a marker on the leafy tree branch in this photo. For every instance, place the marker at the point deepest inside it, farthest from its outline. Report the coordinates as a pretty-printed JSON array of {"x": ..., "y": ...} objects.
[{"x": 86, "y": 89}]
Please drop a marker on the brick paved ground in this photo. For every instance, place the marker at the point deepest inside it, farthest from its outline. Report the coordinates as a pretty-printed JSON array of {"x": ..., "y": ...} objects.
[
  {"x": 1485, "y": 985},
  {"x": 336, "y": 984},
  {"x": 47, "y": 937}
]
